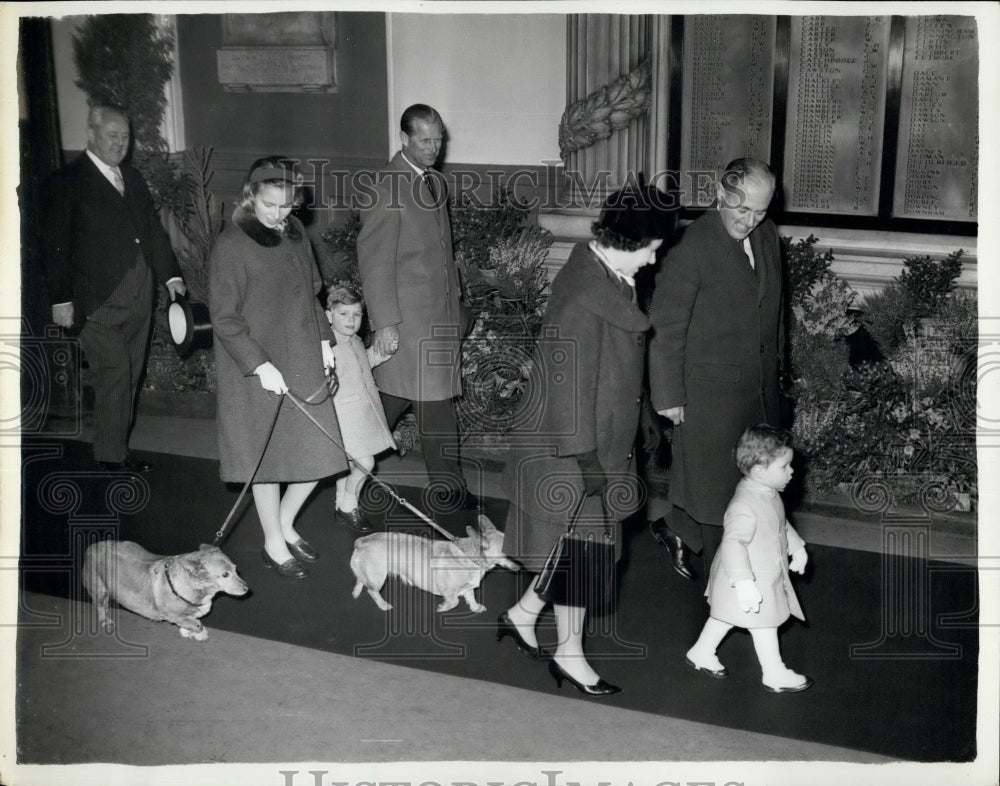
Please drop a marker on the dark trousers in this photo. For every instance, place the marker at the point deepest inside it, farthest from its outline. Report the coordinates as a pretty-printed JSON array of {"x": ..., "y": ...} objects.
[
  {"x": 437, "y": 426},
  {"x": 114, "y": 340}
]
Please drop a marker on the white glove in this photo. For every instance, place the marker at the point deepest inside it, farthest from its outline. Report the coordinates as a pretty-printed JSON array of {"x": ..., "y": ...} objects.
[
  {"x": 270, "y": 378},
  {"x": 799, "y": 560},
  {"x": 327, "y": 350},
  {"x": 62, "y": 314},
  {"x": 748, "y": 596}
]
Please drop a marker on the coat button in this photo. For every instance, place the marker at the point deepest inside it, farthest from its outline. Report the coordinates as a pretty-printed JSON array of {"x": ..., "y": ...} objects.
[
  {"x": 137, "y": 240},
  {"x": 762, "y": 349},
  {"x": 629, "y": 457}
]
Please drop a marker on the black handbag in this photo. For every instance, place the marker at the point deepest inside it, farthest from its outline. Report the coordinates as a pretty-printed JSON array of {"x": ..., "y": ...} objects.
[{"x": 580, "y": 569}]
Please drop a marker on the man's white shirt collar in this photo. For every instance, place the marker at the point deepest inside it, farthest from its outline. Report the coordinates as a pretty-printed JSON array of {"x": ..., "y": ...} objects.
[
  {"x": 415, "y": 168},
  {"x": 108, "y": 171}
]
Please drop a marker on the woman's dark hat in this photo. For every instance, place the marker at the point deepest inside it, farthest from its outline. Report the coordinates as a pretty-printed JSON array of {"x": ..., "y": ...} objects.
[
  {"x": 190, "y": 327},
  {"x": 639, "y": 214}
]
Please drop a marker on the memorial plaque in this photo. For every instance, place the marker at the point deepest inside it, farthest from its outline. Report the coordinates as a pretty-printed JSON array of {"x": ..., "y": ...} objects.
[
  {"x": 727, "y": 92},
  {"x": 836, "y": 114},
  {"x": 283, "y": 52},
  {"x": 938, "y": 158},
  {"x": 276, "y": 69}
]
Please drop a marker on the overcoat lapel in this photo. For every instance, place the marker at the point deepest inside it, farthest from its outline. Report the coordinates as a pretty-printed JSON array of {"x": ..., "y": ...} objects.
[
  {"x": 734, "y": 255},
  {"x": 103, "y": 190},
  {"x": 763, "y": 269}
]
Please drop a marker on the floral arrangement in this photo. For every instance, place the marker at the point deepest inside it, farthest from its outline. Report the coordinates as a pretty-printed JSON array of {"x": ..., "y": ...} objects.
[
  {"x": 338, "y": 259},
  {"x": 895, "y": 424},
  {"x": 193, "y": 228},
  {"x": 508, "y": 299}
]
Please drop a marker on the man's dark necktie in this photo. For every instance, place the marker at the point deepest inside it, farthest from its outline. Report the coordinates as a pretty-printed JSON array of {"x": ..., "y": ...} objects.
[{"x": 431, "y": 185}]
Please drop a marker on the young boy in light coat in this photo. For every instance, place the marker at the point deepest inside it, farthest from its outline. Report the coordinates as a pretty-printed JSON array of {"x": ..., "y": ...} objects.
[
  {"x": 359, "y": 407},
  {"x": 749, "y": 585}
]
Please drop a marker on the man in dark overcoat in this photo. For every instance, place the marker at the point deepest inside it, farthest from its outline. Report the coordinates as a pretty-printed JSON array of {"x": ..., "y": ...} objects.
[
  {"x": 412, "y": 291},
  {"x": 718, "y": 335},
  {"x": 102, "y": 243}
]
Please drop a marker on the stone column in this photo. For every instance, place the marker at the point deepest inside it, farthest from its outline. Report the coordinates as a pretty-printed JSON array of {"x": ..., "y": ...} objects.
[{"x": 601, "y": 48}]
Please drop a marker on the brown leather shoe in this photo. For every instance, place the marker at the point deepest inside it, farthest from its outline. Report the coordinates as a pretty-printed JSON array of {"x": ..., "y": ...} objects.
[{"x": 355, "y": 520}]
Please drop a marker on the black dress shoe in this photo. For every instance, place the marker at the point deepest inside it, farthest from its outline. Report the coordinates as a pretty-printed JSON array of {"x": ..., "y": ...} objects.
[
  {"x": 291, "y": 568},
  {"x": 355, "y": 520},
  {"x": 599, "y": 688},
  {"x": 506, "y": 628},
  {"x": 471, "y": 502},
  {"x": 133, "y": 464},
  {"x": 130, "y": 464},
  {"x": 302, "y": 551},
  {"x": 679, "y": 553}
]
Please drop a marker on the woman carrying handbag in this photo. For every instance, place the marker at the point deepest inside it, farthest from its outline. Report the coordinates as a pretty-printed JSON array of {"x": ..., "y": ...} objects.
[{"x": 570, "y": 473}]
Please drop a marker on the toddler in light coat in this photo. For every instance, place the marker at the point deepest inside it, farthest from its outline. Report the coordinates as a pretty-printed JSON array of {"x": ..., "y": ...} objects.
[
  {"x": 749, "y": 585},
  {"x": 359, "y": 407}
]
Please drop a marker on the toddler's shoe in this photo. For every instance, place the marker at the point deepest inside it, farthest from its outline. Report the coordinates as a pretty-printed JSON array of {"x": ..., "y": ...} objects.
[
  {"x": 786, "y": 681},
  {"x": 710, "y": 664}
]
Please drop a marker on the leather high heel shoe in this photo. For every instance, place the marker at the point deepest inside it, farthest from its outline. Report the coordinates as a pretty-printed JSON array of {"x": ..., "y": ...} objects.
[
  {"x": 506, "y": 628},
  {"x": 599, "y": 688}
]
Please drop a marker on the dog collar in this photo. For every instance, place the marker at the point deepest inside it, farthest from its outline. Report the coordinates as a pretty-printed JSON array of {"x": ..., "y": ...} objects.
[{"x": 173, "y": 589}]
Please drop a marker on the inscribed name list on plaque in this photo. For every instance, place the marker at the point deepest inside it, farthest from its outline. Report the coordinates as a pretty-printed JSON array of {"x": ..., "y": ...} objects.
[
  {"x": 278, "y": 52},
  {"x": 836, "y": 114},
  {"x": 727, "y": 92},
  {"x": 938, "y": 159}
]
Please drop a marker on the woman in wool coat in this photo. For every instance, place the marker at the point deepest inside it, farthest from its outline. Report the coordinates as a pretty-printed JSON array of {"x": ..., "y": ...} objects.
[
  {"x": 579, "y": 416},
  {"x": 272, "y": 337}
]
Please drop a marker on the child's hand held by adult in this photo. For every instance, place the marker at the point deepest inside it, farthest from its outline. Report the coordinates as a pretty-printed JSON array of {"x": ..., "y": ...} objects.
[
  {"x": 386, "y": 340},
  {"x": 748, "y": 596}
]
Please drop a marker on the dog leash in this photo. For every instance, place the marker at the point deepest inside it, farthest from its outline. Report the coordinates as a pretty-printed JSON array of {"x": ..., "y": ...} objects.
[
  {"x": 330, "y": 384},
  {"x": 220, "y": 535},
  {"x": 385, "y": 487}
]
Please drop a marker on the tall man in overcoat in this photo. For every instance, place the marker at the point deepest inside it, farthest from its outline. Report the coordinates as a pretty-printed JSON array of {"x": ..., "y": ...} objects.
[
  {"x": 718, "y": 337},
  {"x": 102, "y": 243},
  {"x": 413, "y": 294}
]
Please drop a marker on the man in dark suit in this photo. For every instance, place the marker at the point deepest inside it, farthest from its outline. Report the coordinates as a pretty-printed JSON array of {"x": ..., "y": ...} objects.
[
  {"x": 102, "y": 242},
  {"x": 718, "y": 335},
  {"x": 412, "y": 291}
]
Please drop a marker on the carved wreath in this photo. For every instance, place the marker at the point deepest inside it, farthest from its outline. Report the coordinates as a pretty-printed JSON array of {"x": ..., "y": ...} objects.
[{"x": 606, "y": 110}]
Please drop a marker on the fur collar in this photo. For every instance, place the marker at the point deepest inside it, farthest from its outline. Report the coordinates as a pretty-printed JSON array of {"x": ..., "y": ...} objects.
[{"x": 262, "y": 235}]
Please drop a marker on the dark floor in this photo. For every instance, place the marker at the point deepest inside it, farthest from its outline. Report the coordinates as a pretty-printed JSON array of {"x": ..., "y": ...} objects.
[{"x": 157, "y": 699}]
